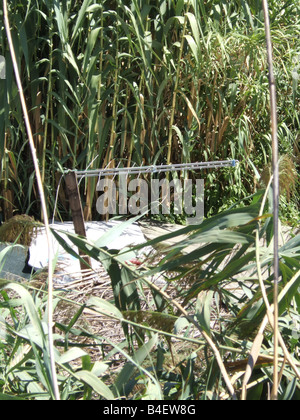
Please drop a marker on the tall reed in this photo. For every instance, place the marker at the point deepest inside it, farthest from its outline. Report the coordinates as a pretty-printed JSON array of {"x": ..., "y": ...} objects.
[
  {"x": 148, "y": 82},
  {"x": 43, "y": 203}
]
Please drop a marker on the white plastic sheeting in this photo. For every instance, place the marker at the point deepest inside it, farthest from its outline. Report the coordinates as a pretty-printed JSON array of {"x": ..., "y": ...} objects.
[{"x": 131, "y": 236}]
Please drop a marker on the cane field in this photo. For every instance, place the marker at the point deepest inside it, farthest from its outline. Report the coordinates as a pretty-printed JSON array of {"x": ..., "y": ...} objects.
[{"x": 132, "y": 83}]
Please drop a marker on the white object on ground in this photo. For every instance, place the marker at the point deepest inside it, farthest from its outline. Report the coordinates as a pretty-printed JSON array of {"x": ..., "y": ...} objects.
[
  {"x": 94, "y": 231},
  {"x": 12, "y": 261}
]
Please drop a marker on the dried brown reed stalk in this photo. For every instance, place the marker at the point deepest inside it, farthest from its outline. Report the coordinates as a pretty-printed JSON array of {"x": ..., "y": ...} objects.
[
  {"x": 42, "y": 198},
  {"x": 275, "y": 160}
]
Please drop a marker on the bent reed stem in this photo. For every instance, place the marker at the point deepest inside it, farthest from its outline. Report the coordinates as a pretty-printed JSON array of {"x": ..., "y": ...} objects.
[{"x": 42, "y": 198}]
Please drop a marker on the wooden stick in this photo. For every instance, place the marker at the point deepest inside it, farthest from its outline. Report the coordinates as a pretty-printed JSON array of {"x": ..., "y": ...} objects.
[{"x": 77, "y": 214}]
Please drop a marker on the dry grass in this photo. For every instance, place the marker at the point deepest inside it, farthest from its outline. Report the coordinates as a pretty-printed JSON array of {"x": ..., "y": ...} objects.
[{"x": 20, "y": 229}]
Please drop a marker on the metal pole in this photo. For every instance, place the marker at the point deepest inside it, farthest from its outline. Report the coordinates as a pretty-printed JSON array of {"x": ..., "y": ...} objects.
[{"x": 274, "y": 125}]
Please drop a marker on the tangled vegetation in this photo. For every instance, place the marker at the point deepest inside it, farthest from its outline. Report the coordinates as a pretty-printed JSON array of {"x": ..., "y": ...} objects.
[{"x": 146, "y": 82}]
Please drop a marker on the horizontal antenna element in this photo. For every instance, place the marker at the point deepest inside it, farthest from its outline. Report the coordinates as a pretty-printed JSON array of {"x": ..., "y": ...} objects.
[{"x": 136, "y": 170}]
